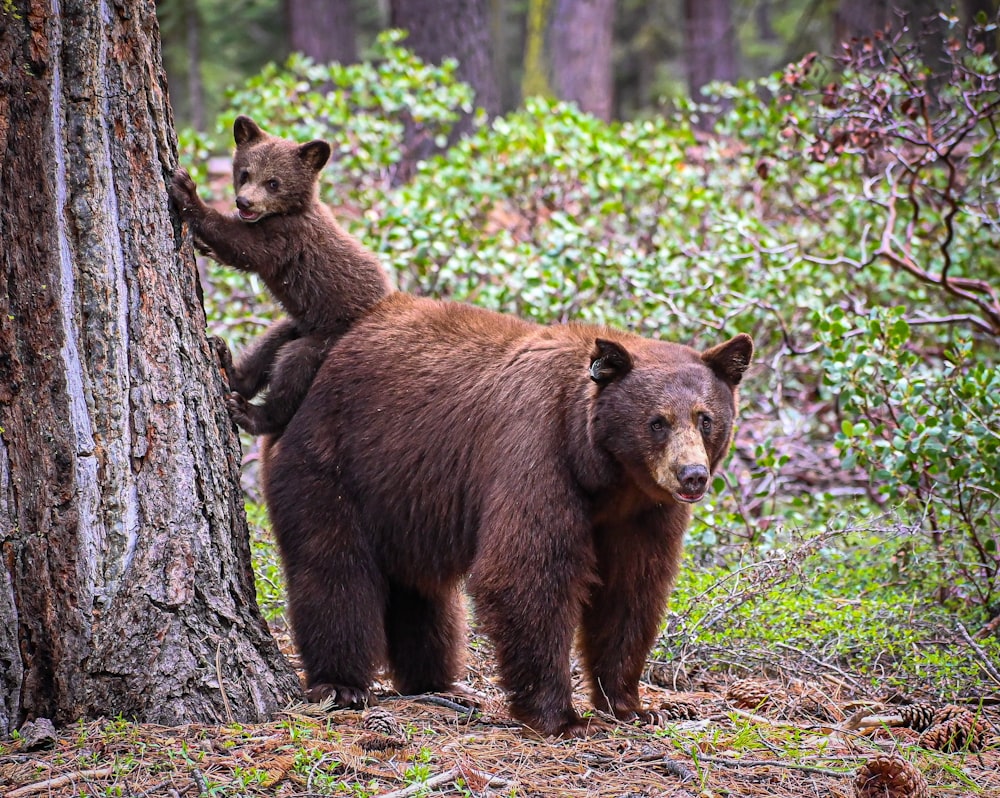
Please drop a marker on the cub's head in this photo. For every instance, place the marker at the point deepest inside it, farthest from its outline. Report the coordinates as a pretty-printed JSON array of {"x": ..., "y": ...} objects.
[
  {"x": 274, "y": 176},
  {"x": 665, "y": 412}
]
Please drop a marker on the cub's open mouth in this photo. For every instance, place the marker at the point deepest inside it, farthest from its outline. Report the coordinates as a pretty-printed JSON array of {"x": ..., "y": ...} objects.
[{"x": 249, "y": 216}]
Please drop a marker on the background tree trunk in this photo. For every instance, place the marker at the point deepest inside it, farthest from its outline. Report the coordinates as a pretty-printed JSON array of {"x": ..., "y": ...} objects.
[
  {"x": 711, "y": 48},
  {"x": 858, "y": 18},
  {"x": 568, "y": 53},
  {"x": 195, "y": 89},
  {"x": 456, "y": 28},
  {"x": 580, "y": 36},
  {"x": 322, "y": 29},
  {"x": 125, "y": 585}
]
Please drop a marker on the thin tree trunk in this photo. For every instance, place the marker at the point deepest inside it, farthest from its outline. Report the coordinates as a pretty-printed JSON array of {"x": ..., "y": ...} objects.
[
  {"x": 196, "y": 91},
  {"x": 324, "y": 30},
  {"x": 710, "y": 45},
  {"x": 125, "y": 584},
  {"x": 580, "y": 38}
]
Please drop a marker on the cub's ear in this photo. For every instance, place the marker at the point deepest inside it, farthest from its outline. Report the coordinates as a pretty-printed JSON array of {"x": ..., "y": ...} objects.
[
  {"x": 609, "y": 361},
  {"x": 245, "y": 131},
  {"x": 731, "y": 359},
  {"x": 315, "y": 154}
]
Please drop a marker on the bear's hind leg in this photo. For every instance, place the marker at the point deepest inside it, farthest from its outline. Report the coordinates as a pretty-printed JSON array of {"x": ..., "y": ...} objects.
[
  {"x": 336, "y": 593},
  {"x": 290, "y": 379},
  {"x": 252, "y": 371},
  {"x": 426, "y": 638}
]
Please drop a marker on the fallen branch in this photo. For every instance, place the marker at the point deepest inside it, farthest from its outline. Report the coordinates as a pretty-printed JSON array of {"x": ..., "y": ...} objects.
[
  {"x": 984, "y": 659},
  {"x": 60, "y": 781},
  {"x": 441, "y": 779},
  {"x": 756, "y": 763}
]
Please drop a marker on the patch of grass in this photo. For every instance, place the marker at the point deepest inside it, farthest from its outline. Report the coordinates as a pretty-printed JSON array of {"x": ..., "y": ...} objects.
[
  {"x": 856, "y": 602},
  {"x": 268, "y": 577}
]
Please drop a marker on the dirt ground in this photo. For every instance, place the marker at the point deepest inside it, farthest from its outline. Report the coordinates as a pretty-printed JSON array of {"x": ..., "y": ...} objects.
[{"x": 779, "y": 736}]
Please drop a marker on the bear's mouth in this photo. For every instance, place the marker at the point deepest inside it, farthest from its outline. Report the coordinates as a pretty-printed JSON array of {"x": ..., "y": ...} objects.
[
  {"x": 249, "y": 216},
  {"x": 689, "y": 498}
]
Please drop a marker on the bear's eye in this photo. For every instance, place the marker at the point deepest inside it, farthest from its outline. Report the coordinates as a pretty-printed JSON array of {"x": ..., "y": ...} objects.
[
  {"x": 243, "y": 176},
  {"x": 659, "y": 426},
  {"x": 705, "y": 424},
  {"x": 273, "y": 184}
]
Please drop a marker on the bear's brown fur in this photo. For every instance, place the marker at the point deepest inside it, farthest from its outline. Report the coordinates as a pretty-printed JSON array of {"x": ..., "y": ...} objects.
[
  {"x": 323, "y": 277},
  {"x": 554, "y": 468}
]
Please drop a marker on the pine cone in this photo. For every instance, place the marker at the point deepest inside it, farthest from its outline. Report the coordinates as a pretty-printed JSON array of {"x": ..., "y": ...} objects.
[
  {"x": 918, "y": 716},
  {"x": 384, "y": 731},
  {"x": 947, "y": 712},
  {"x": 890, "y": 776},
  {"x": 381, "y": 721},
  {"x": 963, "y": 732},
  {"x": 677, "y": 710},
  {"x": 751, "y": 694}
]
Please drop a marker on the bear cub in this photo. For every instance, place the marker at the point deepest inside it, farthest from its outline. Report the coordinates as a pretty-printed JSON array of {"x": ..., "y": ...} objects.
[
  {"x": 551, "y": 471},
  {"x": 323, "y": 277}
]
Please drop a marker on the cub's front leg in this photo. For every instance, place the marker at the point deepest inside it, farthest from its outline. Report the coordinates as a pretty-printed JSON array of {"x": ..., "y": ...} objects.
[{"x": 229, "y": 240}]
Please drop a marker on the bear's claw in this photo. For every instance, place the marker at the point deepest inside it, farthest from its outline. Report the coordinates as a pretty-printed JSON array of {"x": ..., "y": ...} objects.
[{"x": 341, "y": 696}]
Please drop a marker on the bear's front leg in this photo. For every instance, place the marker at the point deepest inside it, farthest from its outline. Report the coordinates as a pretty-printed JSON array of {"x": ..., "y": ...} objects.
[
  {"x": 529, "y": 582},
  {"x": 229, "y": 240},
  {"x": 637, "y": 563}
]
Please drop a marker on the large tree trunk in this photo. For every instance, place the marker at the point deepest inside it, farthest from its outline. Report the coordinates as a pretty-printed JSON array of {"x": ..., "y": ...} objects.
[
  {"x": 322, "y": 29},
  {"x": 456, "y": 28},
  {"x": 125, "y": 584}
]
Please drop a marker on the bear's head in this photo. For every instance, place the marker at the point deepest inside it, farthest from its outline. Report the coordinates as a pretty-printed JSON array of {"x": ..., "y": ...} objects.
[
  {"x": 273, "y": 176},
  {"x": 664, "y": 412}
]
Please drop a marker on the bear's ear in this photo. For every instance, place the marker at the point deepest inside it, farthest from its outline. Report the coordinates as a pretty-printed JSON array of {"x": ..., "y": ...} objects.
[
  {"x": 315, "y": 154},
  {"x": 609, "y": 361},
  {"x": 245, "y": 131},
  {"x": 731, "y": 359}
]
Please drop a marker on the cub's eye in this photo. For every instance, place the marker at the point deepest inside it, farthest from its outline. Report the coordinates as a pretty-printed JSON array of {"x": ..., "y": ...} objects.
[
  {"x": 273, "y": 184},
  {"x": 243, "y": 176},
  {"x": 659, "y": 426},
  {"x": 705, "y": 424}
]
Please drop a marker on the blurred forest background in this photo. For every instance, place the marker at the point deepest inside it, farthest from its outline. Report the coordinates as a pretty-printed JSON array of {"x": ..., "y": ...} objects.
[
  {"x": 615, "y": 58},
  {"x": 823, "y": 174}
]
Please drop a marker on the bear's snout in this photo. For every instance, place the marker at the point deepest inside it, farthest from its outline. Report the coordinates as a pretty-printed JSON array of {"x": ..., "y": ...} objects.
[{"x": 693, "y": 480}]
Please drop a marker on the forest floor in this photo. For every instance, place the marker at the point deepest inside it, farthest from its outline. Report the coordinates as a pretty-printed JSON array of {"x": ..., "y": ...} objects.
[{"x": 788, "y": 735}]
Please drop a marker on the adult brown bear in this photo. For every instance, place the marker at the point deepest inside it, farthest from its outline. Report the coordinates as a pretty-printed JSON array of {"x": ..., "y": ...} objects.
[{"x": 554, "y": 468}]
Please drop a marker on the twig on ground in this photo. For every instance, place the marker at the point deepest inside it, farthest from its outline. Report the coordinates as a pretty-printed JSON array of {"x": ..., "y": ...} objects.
[
  {"x": 199, "y": 782},
  {"x": 756, "y": 763},
  {"x": 60, "y": 781},
  {"x": 438, "y": 701},
  {"x": 222, "y": 684},
  {"x": 441, "y": 779},
  {"x": 984, "y": 659}
]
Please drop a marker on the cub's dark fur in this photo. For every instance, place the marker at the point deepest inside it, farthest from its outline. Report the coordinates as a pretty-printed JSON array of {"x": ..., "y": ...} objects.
[{"x": 323, "y": 277}]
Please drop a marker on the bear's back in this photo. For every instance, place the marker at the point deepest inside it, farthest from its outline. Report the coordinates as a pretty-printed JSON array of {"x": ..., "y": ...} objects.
[{"x": 449, "y": 396}]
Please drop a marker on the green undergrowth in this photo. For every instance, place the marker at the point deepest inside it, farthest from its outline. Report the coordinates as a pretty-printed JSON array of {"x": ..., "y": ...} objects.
[{"x": 858, "y": 604}]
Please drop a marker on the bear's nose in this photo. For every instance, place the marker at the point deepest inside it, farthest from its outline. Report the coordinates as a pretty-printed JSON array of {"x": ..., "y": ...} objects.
[
  {"x": 243, "y": 203},
  {"x": 693, "y": 479}
]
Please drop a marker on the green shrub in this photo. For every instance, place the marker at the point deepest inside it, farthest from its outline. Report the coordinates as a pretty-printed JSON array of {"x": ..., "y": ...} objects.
[{"x": 927, "y": 434}]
